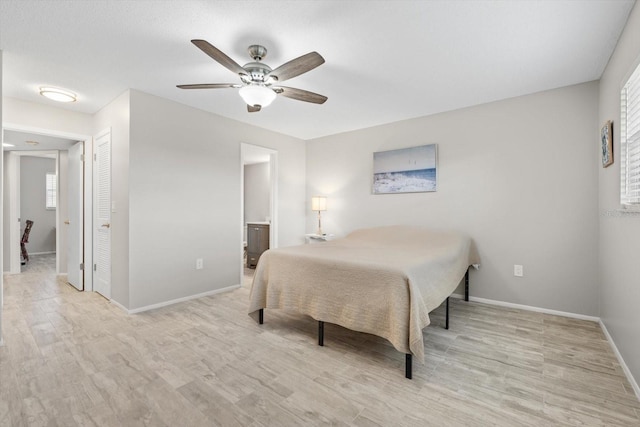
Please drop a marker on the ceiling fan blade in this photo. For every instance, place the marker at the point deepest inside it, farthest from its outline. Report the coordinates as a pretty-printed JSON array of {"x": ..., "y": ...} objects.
[
  {"x": 300, "y": 95},
  {"x": 219, "y": 56},
  {"x": 253, "y": 108},
  {"x": 208, "y": 86},
  {"x": 297, "y": 66}
]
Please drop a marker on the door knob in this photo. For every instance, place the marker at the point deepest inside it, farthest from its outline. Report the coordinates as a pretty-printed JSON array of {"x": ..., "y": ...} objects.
[
  {"x": 107, "y": 225},
  {"x": 67, "y": 222}
]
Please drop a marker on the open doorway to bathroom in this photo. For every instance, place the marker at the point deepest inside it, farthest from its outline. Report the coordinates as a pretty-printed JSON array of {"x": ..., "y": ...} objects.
[{"x": 259, "y": 224}]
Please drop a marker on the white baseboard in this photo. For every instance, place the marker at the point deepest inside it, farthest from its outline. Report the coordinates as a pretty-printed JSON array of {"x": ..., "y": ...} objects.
[
  {"x": 530, "y": 308},
  {"x": 174, "y": 301},
  {"x": 120, "y": 306},
  {"x": 42, "y": 253},
  {"x": 624, "y": 366}
]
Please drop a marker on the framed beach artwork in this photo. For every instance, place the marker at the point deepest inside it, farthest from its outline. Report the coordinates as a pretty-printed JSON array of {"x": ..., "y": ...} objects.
[
  {"x": 606, "y": 139},
  {"x": 407, "y": 170}
]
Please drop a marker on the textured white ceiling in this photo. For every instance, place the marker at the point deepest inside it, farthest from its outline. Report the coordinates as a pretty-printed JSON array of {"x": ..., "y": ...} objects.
[{"x": 385, "y": 60}]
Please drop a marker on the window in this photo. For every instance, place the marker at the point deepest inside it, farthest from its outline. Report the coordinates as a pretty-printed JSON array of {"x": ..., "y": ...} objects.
[
  {"x": 51, "y": 190},
  {"x": 630, "y": 141}
]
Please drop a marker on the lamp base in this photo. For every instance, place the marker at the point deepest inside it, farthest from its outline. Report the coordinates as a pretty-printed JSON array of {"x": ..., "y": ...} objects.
[{"x": 319, "y": 232}]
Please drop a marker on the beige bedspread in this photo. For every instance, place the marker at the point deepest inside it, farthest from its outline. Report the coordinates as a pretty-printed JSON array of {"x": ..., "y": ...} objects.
[{"x": 383, "y": 281}]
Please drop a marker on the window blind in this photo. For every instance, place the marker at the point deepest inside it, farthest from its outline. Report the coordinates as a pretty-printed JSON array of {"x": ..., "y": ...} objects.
[
  {"x": 51, "y": 191},
  {"x": 630, "y": 141}
]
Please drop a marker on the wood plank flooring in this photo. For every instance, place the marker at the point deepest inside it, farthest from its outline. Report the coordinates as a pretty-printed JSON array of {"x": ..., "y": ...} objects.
[{"x": 73, "y": 359}]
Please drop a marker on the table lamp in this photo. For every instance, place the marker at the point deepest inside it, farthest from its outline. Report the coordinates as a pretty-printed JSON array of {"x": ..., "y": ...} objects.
[{"x": 319, "y": 203}]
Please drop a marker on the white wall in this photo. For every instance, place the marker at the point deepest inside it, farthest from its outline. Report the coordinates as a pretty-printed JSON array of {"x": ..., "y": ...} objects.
[
  {"x": 116, "y": 116},
  {"x": 25, "y": 113},
  {"x": 619, "y": 235},
  {"x": 257, "y": 192},
  {"x": 518, "y": 175},
  {"x": 33, "y": 170},
  {"x": 185, "y": 198},
  {"x": 1, "y": 210}
]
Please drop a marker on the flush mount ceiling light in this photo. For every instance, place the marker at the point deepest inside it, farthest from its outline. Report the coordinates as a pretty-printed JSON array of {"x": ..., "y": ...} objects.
[
  {"x": 57, "y": 94},
  {"x": 6, "y": 144}
]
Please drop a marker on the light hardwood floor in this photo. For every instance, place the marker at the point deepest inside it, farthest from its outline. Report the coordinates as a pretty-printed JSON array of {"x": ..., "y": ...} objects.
[{"x": 72, "y": 358}]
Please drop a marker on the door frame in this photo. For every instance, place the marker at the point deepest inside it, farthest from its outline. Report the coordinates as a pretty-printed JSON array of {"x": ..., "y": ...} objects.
[
  {"x": 88, "y": 190},
  {"x": 72, "y": 213},
  {"x": 273, "y": 201},
  {"x": 15, "y": 201}
]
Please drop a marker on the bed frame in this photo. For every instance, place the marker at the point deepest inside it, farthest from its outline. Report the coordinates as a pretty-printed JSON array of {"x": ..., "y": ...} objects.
[{"x": 408, "y": 360}]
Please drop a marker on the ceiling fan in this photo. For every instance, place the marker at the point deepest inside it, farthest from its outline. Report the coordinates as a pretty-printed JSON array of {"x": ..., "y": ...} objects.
[{"x": 260, "y": 84}]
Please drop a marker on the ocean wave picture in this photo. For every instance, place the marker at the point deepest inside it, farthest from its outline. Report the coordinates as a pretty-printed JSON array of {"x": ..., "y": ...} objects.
[{"x": 408, "y": 170}]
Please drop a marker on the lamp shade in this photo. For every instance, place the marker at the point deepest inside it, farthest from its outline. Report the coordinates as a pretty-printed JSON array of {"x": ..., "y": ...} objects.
[
  {"x": 254, "y": 94},
  {"x": 318, "y": 203}
]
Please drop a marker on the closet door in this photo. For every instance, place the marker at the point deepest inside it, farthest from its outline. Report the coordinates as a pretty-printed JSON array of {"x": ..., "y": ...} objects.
[{"x": 102, "y": 215}]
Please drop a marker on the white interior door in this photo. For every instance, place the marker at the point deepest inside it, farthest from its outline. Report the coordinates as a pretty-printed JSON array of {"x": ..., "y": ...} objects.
[
  {"x": 74, "y": 224},
  {"x": 13, "y": 171},
  {"x": 102, "y": 214}
]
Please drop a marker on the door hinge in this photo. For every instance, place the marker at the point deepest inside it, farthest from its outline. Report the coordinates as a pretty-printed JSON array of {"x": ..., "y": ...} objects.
[
  {"x": 95, "y": 267},
  {"x": 82, "y": 157},
  {"x": 82, "y": 266},
  {"x": 95, "y": 157}
]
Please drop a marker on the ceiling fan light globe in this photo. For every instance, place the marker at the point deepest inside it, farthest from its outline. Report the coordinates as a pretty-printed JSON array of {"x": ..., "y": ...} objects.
[{"x": 257, "y": 95}]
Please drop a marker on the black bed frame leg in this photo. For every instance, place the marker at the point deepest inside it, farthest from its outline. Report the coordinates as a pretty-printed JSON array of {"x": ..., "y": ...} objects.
[
  {"x": 320, "y": 333},
  {"x": 466, "y": 285},
  {"x": 446, "y": 321},
  {"x": 261, "y": 316},
  {"x": 408, "y": 371}
]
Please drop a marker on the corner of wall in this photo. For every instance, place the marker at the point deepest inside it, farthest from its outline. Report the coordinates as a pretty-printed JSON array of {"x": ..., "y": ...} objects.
[{"x": 1, "y": 204}]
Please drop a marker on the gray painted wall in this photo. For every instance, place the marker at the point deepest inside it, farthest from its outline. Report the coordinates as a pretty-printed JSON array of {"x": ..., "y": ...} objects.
[
  {"x": 32, "y": 203},
  {"x": 257, "y": 192},
  {"x": 619, "y": 235},
  {"x": 520, "y": 176},
  {"x": 184, "y": 195}
]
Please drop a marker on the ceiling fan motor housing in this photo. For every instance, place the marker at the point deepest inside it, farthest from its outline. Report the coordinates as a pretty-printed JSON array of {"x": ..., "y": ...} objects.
[
  {"x": 257, "y": 52},
  {"x": 256, "y": 72}
]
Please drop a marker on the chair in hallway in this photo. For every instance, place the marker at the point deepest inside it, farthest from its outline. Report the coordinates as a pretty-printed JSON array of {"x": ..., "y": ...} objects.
[{"x": 24, "y": 240}]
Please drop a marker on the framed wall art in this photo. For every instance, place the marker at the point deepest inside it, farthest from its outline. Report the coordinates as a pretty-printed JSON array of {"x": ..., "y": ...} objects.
[
  {"x": 407, "y": 170},
  {"x": 606, "y": 139}
]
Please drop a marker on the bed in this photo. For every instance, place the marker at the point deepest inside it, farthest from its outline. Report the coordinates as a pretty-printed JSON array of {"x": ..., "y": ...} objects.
[{"x": 382, "y": 281}]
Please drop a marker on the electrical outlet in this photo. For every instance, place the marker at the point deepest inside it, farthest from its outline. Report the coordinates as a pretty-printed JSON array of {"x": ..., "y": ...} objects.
[
  {"x": 199, "y": 264},
  {"x": 518, "y": 270}
]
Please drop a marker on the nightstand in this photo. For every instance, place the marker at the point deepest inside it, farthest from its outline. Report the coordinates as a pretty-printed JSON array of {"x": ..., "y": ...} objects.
[{"x": 317, "y": 238}]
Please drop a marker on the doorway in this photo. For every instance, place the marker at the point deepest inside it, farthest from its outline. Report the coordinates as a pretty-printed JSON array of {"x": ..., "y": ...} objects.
[
  {"x": 34, "y": 176},
  {"x": 259, "y": 199},
  {"x": 21, "y": 143}
]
